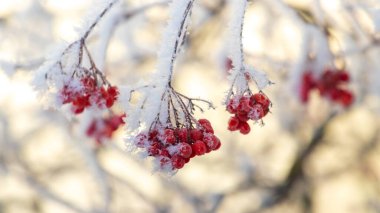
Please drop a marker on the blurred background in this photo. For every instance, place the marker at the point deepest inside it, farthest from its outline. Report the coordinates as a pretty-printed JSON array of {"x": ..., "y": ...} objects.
[{"x": 307, "y": 157}]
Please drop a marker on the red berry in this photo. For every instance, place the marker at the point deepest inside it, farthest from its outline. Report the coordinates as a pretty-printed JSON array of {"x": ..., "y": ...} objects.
[
  {"x": 165, "y": 153},
  {"x": 256, "y": 113},
  {"x": 244, "y": 105},
  {"x": 211, "y": 141},
  {"x": 91, "y": 129},
  {"x": 112, "y": 91},
  {"x": 77, "y": 110},
  {"x": 206, "y": 125},
  {"x": 141, "y": 140},
  {"x": 346, "y": 99},
  {"x": 232, "y": 106},
  {"x": 244, "y": 128},
  {"x": 182, "y": 134},
  {"x": 185, "y": 150},
  {"x": 233, "y": 124},
  {"x": 242, "y": 116},
  {"x": 154, "y": 149},
  {"x": 88, "y": 83},
  {"x": 219, "y": 144},
  {"x": 187, "y": 160},
  {"x": 199, "y": 147},
  {"x": 228, "y": 64},
  {"x": 307, "y": 84},
  {"x": 109, "y": 102},
  {"x": 169, "y": 136},
  {"x": 261, "y": 99},
  {"x": 196, "y": 134},
  {"x": 178, "y": 162},
  {"x": 153, "y": 134},
  {"x": 165, "y": 162},
  {"x": 343, "y": 76}
]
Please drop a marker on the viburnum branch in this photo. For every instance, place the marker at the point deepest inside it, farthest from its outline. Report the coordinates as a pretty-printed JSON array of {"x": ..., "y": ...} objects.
[
  {"x": 180, "y": 37},
  {"x": 236, "y": 42}
]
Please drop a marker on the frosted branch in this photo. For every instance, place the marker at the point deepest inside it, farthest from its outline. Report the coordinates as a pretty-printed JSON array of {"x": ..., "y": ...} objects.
[{"x": 173, "y": 37}]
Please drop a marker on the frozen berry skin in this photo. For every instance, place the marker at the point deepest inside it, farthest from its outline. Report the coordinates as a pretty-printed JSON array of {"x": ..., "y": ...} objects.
[
  {"x": 244, "y": 128},
  {"x": 169, "y": 136},
  {"x": 233, "y": 124},
  {"x": 244, "y": 105},
  {"x": 153, "y": 150},
  {"x": 178, "y": 162},
  {"x": 88, "y": 93},
  {"x": 261, "y": 99},
  {"x": 196, "y": 134},
  {"x": 182, "y": 134},
  {"x": 212, "y": 142},
  {"x": 165, "y": 162},
  {"x": 206, "y": 125},
  {"x": 165, "y": 153},
  {"x": 185, "y": 150},
  {"x": 199, "y": 147},
  {"x": 173, "y": 147},
  {"x": 257, "y": 112},
  {"x": 232, "y": 106}
]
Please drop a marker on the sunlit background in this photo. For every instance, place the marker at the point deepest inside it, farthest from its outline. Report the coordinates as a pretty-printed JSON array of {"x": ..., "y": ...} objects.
[{"x": 314, "y": 157}]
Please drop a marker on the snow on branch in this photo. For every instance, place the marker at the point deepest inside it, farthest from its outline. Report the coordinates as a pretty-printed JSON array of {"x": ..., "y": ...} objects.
[
  {"x": 144, "y": 113},
  {"x": 64, "y": 67},
  {"x": 162, "y": 124},
  {"x": 241, "y": 73}
]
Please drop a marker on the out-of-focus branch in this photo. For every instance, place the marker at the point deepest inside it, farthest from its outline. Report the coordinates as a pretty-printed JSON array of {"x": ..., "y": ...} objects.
[{"x": 296, "y": 173}]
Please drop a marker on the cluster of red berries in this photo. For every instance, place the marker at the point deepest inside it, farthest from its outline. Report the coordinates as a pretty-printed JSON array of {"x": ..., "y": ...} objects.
[
  {"x": 331, "y": 85},
  {"x": 103, "y": 128},
  {"x": 246, "y": 107},
  {"x": 174, "y": 147},
  {"x": 88, "y": 94}
]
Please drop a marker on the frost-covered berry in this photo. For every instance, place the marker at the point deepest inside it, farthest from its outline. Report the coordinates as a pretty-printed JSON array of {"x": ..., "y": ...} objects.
[
  {"x": 260, "y": 99},
  {"x": 196, "y": 134},
  {"x": 212, "y": 142},
  {"x": 256, "y": 113},
  {"x": 178, "y": 162},
  {"x": 206, "y": 125},
  {"x": 185, "y": 150},
  {"x": 88, "y": 94},
  {"x": 246, "y": 107},
  {"x": 199, "y": 147},
  {"x": 178, "y": 144},
  {"x": 169, "y": 136}
]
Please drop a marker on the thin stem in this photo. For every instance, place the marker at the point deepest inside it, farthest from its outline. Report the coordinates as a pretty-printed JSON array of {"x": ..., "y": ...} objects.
[
  {"x": 180, "y": 38},
  {"x": 92, "y": 26}
]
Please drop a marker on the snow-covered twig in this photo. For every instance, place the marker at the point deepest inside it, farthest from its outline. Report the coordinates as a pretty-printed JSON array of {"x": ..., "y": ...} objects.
[{"x": 241, "y": 74}]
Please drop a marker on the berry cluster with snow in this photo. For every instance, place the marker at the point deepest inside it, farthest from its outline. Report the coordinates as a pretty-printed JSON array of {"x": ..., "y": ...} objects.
[
  {"x": 247, "y": 107},
  {"x": 173, "y": 147},
  {"x": 89, "y": 93}
]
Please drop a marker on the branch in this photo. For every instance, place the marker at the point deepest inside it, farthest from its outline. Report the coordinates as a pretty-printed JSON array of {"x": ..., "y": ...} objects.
[{"x": 296, "y": 172}]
